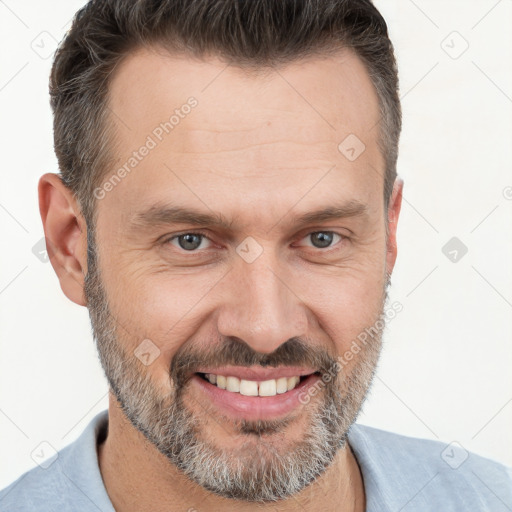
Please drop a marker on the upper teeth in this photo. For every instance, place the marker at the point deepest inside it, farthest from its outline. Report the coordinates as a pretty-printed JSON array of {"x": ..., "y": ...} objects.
[{"x": 254, "y": 388}]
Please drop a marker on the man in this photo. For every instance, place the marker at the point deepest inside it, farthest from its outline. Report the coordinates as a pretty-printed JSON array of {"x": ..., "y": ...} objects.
[{"x": 227, "y": 211}]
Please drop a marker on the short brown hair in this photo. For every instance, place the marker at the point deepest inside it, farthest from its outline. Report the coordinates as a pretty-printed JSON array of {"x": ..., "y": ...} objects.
[{"x": 255, "y": 33}]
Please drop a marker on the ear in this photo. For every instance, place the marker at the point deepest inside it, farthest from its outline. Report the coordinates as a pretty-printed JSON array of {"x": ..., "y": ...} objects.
[
  {"x": 65, "y": 232},
  {"x": 395, "y": 203}
]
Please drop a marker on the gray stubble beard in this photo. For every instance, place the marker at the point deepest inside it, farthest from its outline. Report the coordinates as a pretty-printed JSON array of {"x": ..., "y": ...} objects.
[{"x": 255, "y": 472}]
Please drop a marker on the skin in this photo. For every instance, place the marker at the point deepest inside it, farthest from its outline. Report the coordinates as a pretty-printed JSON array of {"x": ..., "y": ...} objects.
[{"x": 261, "y": 150}]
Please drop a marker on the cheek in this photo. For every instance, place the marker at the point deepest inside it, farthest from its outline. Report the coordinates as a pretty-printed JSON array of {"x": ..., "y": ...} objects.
[
  {"x": 166, "y": 309},
  {"x": 347, "y": 306},
  {"x": 149, "y": 294}
]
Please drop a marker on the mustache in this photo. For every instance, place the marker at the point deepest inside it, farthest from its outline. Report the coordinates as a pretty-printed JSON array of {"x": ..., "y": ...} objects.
[{"x": 233, "y": 351}]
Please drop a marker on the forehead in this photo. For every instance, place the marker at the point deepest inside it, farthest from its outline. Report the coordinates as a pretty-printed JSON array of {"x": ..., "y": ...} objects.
[
  {"x": 334, "y": 91},
  {"x": 203, "y": 129}
]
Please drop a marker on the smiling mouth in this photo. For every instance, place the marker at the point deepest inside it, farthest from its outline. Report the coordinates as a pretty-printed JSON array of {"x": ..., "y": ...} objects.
[{"x": 270, "y": 387}]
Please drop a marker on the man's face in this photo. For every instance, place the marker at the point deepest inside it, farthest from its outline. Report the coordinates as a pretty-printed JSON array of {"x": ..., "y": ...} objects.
[{"x": 265, "y": 291}]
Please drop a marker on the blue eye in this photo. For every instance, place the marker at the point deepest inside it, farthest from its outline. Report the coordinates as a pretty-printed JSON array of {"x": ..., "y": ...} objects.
[
  {"x": 322, "y": 239},
  {"x": 189, "y": 241},
  {"x": 192, "y": 242}
]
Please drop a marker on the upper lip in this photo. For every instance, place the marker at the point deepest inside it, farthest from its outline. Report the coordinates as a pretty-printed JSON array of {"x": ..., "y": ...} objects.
[{"x": 258, "y": 373}]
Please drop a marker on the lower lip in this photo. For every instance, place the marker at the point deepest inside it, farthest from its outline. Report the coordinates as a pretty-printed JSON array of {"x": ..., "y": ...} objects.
[{"x": 255, "y": 407}]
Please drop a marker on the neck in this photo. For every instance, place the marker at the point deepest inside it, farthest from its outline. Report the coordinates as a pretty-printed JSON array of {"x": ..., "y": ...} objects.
[{"x": 139, "y": 478}]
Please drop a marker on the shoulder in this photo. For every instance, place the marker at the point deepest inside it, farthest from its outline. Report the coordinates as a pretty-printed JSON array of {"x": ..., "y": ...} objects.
[
  {"x": 35, "y": 490},
  {"x": 408, "y": 473},
  {"x": 71, "y": 480}
]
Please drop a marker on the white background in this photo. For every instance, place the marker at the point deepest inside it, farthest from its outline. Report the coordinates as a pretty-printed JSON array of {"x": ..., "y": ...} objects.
[{"x": 445, "y": 371}]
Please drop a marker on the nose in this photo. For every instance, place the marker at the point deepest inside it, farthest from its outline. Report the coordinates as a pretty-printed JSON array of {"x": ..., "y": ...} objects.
[{"x": 262, "y": 308}]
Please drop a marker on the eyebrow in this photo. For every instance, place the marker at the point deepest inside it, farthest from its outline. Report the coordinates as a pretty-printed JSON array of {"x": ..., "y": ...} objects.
[{"x": 159, "y": 215}]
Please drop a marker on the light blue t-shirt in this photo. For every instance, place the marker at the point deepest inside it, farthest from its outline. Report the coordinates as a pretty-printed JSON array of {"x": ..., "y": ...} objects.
[{"x": 400, "y": 474}]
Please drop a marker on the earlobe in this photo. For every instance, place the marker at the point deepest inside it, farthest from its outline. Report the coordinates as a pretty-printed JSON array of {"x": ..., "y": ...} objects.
[
  {"x": 394, "y": 206},
  {"x": 65, "y": 232}
]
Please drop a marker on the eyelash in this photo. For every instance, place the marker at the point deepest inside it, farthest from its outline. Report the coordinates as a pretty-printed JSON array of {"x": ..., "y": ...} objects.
[{"x": 204, "y": 235}]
